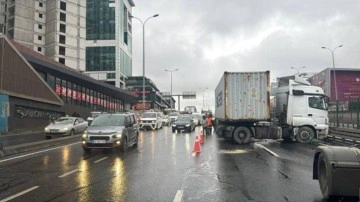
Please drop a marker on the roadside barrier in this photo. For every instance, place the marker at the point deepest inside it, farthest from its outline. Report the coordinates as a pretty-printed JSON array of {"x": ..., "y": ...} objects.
[
  {"x": 202, "y": 137},
  {"x": 197, "y": 147}
]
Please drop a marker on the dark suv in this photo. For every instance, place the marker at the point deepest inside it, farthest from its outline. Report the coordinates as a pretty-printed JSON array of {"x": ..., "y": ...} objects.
[{"x": 109, "y": 131}]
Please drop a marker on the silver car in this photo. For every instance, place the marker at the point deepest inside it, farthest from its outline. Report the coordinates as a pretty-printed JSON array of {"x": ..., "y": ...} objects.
[
  {"x": 109, "y": 131},
  {"x": 65, "y": 126}
]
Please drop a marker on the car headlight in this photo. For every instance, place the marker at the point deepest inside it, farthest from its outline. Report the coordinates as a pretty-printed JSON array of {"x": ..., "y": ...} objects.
[
  {"x": 118, "y": 135},
  {"x": 154, "y": 121},
  {"x": 66, "y": 128},
  {"x": 173, "y": 125},
  {"x": 47, "y": 129},
  {"x": 187, "y": 125},
  {"x": 85, "y": 134}
]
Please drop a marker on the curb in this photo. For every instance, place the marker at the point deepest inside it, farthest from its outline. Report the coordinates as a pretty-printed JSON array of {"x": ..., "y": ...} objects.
[{"x": 21, "y": 148}]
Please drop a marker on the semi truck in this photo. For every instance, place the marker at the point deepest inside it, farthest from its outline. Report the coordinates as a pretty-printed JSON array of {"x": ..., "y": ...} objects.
[{"x": 243, "y": 109}]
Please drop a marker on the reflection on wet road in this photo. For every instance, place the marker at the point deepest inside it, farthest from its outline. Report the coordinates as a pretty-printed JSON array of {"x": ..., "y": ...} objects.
[{"x": 161, "y": 167}]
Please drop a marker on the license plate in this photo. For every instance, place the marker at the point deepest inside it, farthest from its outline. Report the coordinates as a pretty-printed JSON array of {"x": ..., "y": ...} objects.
[
  {"x": 180, "y": 127},
  {"x": 99, "y": 141},
  {"x": 53, "y": 131}
]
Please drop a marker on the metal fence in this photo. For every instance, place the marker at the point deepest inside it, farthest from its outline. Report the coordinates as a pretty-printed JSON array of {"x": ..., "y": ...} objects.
[{"x": 345, "y": 114}]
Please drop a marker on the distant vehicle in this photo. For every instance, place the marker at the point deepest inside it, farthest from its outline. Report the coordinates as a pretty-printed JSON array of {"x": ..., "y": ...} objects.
[
  {"x": 166, "y": 120},
  {"x": 93, "y": 115},
  {"x": 151, "y": 120},
  {"x": 190, "y": 109},
  {"x": 183, "y": 122},
  {"x": 65, "y": 126},
  {"x": 173, "y": 116},
  {"x": 109, "y": 131},
  {"x": 198, "y": 119},
  {"x": 243, "y": 108}
]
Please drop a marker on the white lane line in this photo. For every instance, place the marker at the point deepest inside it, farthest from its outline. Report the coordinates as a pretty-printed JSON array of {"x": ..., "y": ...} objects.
[
  {"x": 97, "y": 161},
  {"x": 178, "y": 196},
  {"x": 17, "y": 157},
  {"x": 322, "y": 144},
  {"x": 268, "y": 150},
  {"x": 19, "y": 194},
  {"x": 68, "y": 173}
]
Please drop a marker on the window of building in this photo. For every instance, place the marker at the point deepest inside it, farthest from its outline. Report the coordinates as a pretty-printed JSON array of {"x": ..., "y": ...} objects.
[
  {"x": 100, "y": 58},
  {"x": 62, "y": 39},
  {"x": 61, "y": 50},
  {"x": 40, "y": 38},
  {"x": 63, "y": 28},
  {"x": 40, "y": 15},
  {"x": 62, "y": 6},
  {"x": 40, "y": 26},
  {"x": 63, "y": 17},
  {"x": 40, "y": 4},
  {"x": 62, "y": 60},
  {"x": 39, "y": 49},
  {"x": 96, "y": 13}
]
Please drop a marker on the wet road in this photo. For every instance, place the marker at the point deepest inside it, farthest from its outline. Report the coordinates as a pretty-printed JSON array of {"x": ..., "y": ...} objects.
[{"x": 163, "y": 168}]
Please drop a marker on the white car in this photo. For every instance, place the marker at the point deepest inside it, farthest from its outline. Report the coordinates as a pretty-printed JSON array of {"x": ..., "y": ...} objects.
[
  {"x": 65, "y": 126},
  {"x": 173, "y": 116},
  {"x": 151, "y": 120}
]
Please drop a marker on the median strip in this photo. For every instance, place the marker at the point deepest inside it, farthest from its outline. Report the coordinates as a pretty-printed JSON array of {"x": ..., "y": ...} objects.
[{"x": 97, "y": 161}]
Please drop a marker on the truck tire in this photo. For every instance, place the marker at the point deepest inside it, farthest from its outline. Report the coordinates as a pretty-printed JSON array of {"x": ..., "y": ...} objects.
[
  {"x": 242, "y": 135},
  {"x": 324, "y": 176},
  {"x": 305, "y": 134}
]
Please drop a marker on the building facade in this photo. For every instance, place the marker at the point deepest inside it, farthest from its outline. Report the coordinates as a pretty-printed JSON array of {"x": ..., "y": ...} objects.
[
  {"x": 109, "y": 41},
  {"x": 345, "y": 87},
  {"x": 54, "y": 28},
  {"x": 153, "y": 98},
  {"x": 35, "y": 89}
]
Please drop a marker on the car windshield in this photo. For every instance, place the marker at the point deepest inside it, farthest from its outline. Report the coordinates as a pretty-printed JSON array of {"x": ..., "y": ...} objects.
[
  {"x": 64, "y": 120},
  {"x": 149, "y": 115},
  {"x": 109, "y": 120},
  {"x": 184, "y": 118}
]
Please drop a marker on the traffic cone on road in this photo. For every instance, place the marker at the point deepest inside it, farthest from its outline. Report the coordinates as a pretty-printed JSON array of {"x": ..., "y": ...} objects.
[
  {"x": 197, "y": 147},
  {"x": 202, "y": 138}
]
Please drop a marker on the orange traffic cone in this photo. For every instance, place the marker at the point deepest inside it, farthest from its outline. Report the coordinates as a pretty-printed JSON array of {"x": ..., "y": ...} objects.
[
  {"x": 197, "y": 148},
  {"x": 202, "y": 139}
]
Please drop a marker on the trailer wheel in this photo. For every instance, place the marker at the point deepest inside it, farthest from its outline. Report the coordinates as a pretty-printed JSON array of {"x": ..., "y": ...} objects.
[
  {"x": 324, "y": 177},
  {"x": 242, "y": 135},
  {"x": 305, "y": 134}
]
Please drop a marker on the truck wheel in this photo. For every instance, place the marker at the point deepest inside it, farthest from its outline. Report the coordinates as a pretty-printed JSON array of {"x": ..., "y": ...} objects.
[
  {"x": 324, "y": 177},
  {"x": 242, "y": 135},
  {"x": 305, "y": 134}
]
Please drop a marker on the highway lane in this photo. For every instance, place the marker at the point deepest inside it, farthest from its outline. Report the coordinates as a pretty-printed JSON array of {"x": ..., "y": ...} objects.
[{"x": 162, "y": 168}]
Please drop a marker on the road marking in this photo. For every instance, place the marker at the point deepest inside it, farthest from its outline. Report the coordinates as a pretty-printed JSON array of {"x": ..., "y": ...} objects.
[
  {"x": 97, "y": 161},
  {"x": 322, "y": 144},
  {"x": 19, "y": 194},
  {"x": 17, "y": 157},
  {"x": 68, "y": 173},
  {"x": 178, "y": 196},
  {"x": 268, "y": 150}
]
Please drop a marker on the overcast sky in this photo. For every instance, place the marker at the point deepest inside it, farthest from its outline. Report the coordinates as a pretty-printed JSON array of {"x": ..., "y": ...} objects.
[{"x": 204, "y": 38}]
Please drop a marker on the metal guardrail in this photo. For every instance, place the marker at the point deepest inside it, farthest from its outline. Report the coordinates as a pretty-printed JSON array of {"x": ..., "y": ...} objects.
[{"x": 344, "y": 135}]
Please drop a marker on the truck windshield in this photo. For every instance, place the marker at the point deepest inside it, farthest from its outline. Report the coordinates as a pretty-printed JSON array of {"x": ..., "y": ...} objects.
[{"x": 317, "y": 103}]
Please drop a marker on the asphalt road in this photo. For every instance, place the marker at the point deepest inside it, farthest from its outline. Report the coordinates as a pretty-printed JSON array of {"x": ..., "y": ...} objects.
[{"x": 163, "y": 168}]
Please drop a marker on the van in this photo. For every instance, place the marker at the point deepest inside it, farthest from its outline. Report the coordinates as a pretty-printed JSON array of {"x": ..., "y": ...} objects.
[{"x": 151, "y": 120}]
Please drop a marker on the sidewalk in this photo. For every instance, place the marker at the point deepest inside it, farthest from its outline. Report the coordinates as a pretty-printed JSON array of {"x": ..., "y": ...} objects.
[{"x": 20, "y": 141}]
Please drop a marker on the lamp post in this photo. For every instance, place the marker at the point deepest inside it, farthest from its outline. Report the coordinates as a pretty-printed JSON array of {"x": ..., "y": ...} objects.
[
  {"x": 143, "y": 27},
  {"x": 336, "y": 93},
  {"x": 171, "y": 71},
  {"x": 298, "y": 69}
]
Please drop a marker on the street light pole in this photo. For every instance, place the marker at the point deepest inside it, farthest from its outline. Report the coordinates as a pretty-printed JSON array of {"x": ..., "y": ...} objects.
[
  {"x": 171, "y": 71},
  {"x": 143, "y": 27},
  {"x": 336, "y": 92},
  {"x": 298, "y": 69}
]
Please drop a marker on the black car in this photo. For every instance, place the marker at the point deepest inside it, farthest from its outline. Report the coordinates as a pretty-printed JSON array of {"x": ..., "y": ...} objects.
[{"x": 183, "y": 122}]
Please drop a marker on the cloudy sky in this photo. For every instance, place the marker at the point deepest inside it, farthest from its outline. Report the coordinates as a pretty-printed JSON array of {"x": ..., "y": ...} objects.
[{"x": 204, "y": 38}]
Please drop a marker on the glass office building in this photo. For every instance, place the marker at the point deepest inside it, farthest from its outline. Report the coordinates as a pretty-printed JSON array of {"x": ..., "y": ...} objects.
[{"x": 108, "y": 40}]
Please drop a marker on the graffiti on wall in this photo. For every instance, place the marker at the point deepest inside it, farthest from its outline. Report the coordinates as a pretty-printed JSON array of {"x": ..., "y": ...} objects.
[{"x": 29, "y": 112}]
